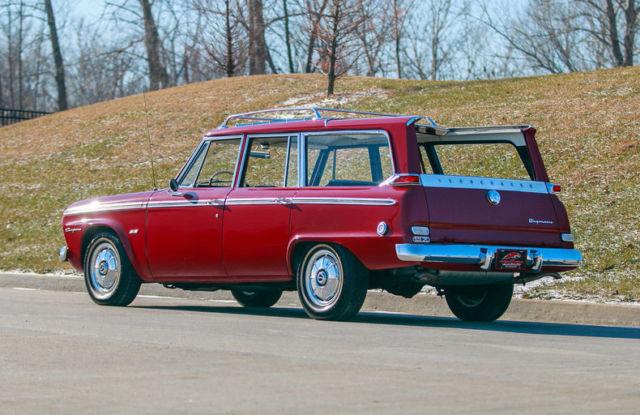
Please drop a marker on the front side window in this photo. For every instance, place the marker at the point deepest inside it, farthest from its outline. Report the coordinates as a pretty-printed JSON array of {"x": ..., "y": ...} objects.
[
  {"x": 342, "y": 159},
  {"x": 271, "y": 162},
  {"x": 214, "y": 166}
]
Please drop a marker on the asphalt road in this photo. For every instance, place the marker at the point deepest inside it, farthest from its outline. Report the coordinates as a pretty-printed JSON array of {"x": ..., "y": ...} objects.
[{"x": 60, "y": 353}]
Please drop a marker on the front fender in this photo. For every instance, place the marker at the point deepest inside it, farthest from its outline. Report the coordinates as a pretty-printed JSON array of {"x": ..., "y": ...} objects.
[{"x": 79, "y": 231}]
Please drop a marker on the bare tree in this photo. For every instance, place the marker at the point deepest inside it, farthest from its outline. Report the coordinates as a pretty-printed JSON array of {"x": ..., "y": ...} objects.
[
  {"x": 605, "y": 19},
  {"x": 101, "y": 69},
  {"x": 373, "y": 33},
  {"x": 221, "y": 39},
  {"x": 398, "y": 17},
  {"x": 287, "y": 35},
  {"x": 545, "y": 36},
  {"x": 158, "y": 77},
  {"x": 310, "y": 29},
  {"x": 24, "y": 65},
  {"x": 57, "y": 56},
  {"x": 257, "y": 44},
  {"x": 338, "y": 48},
  {"x": 138, "y": 17},
  {"x": 437, "y": 34}
]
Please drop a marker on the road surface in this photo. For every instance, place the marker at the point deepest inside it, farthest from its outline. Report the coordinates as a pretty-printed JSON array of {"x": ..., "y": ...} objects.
[{"x": 60, "y": 353}]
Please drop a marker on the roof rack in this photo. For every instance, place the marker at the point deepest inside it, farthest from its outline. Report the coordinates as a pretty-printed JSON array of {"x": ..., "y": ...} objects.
[{"x": 315, "y": 113}]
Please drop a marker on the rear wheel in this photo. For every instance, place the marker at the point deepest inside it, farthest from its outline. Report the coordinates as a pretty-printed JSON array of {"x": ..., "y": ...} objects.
[
  {"x": 262, "y": 298},
  {"x": 108, "y": 275},
  {"x": 479, "y": 303},
  {"x": 332, "y": 284}
]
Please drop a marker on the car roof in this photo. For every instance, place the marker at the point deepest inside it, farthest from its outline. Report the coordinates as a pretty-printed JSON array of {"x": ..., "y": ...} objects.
[{"x": 325, "y": 124}]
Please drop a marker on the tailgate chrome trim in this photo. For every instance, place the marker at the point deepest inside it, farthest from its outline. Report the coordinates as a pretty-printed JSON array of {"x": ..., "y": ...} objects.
[
  {"x": 483, "y": 183},
  {"x": 482, "y": 255}
]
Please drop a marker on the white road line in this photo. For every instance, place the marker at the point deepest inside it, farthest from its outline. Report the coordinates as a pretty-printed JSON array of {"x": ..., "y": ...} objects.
[{"x": 25, "y": 289}]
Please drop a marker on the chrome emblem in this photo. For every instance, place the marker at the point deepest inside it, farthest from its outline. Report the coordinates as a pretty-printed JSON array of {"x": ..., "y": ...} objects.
[
  {"x": 493, "y": 197},
  {"x": 382, "y": 229}
]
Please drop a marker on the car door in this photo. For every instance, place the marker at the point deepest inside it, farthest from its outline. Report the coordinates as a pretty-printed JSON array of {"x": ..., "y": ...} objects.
[
  {"x": 184, "y": 228},
  {"x": 258, "y": 210}
]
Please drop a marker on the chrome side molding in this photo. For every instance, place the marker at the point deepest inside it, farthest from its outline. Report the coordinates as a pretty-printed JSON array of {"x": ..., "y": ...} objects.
[
  {"x": 483, "y": 183},
  {"x": 483, "y": 255}
]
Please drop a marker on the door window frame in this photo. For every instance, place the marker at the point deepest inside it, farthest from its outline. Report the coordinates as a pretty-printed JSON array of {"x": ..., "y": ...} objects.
[{"x": 245, "y": 157}]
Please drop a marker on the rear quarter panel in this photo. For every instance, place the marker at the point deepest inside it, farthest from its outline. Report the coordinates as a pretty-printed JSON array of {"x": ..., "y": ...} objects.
[{"x": 354, "y": 226}]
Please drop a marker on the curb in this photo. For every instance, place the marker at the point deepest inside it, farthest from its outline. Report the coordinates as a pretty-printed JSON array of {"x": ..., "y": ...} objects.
[{"x": 422, "y": 304}]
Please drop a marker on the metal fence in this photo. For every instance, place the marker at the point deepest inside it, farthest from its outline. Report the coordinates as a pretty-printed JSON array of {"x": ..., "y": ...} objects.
[{"x": 11, "y": 116}]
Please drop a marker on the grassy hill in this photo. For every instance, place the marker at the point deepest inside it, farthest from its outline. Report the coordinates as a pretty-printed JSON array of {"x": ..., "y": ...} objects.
[{"x": 588, "y": 129}]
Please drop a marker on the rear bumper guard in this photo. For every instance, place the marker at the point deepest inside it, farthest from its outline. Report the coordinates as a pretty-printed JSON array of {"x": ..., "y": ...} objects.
[{"x": 483, "y": 255}]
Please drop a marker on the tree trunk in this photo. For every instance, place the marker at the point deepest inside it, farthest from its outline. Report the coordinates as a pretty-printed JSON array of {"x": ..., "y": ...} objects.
[
  {"x": 396, "y": 37},
  {"x": 287, "y": 36},
  {"x": 257, "y": 44},
  {"x": 57, "y": 57},
  {"x": 315, "y": 29},
  {"x": 11, "y": 61},
  {"x": 613, "y": 33},
  {"x": 435, "y": 44},
  {"x": 19, "y": 57},
  {"x": 230, "y": 65},
  {"x": 629, "y": 40},
  {"x": 158, "y": 77},
  {"x": 272, "y": 65},
  {"x": 333, "y": 47}
]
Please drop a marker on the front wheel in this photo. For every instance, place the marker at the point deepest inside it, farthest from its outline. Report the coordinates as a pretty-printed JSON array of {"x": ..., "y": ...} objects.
[
  {"x": 262, "y": 298},
  {"x": 108, "y": 275},
  {"x": 332, "y": 284},
  {"x": 479, "y": 303}
]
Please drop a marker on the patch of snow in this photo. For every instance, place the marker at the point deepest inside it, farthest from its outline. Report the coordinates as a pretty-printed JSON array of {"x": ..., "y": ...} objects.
[
  {"x": 337, "y": 100},
  {"x": 59, "y": 273}
]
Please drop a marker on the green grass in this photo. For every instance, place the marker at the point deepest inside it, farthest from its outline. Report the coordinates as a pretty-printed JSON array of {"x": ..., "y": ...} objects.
[{"x": 588, "y": 130}]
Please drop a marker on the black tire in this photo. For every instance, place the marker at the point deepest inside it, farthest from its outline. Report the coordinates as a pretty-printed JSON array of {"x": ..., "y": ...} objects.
[
  {"x": 262, "y": 298},
  {"x": 479, "y": 303},
  {"x": 126, "y": 283},
  {"x": 344, "y": 272}
]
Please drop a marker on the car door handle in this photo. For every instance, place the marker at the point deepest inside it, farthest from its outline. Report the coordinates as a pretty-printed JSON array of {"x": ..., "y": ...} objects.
[
  {"x": 216, "y": 202},
  {"x": 283, "y": 201}
]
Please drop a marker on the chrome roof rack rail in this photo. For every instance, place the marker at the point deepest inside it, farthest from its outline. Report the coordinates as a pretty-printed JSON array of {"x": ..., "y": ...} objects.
[{"x": 315, "y": 113}]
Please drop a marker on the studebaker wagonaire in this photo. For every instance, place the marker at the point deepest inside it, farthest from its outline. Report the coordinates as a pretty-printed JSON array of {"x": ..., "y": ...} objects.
[{"x": 332, "y": 203}]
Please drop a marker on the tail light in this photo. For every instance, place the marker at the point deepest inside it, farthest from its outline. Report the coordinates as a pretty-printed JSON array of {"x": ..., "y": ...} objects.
[
  {"x": 403, "y": 180},
  {"x": 554, "y": 188}
]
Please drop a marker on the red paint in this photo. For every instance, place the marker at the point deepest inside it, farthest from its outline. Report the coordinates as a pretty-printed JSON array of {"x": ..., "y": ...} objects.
[
  {"x": 255, "y": 242},
  {"x": 185, "y": 243}
]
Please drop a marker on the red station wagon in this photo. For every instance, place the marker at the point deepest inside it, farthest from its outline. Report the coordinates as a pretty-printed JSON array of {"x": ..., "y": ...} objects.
[{"x": 332, "y": 203}]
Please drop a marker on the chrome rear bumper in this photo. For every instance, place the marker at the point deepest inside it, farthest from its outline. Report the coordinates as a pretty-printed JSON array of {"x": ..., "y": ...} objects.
[
  {"x": 483, "y": 255},
  {"x": 63, "y": 253}
]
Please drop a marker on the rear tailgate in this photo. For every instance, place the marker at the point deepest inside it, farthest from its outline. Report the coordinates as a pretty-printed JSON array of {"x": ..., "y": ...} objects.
[
  {"x": 486, "y": 210},
  {"x": 479, "y": 210}
]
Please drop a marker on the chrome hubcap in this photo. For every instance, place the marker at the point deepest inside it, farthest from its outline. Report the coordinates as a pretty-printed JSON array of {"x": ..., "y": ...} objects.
[
  {"x": 105, "y": 269},
  {"x": 323, "y": 279}
]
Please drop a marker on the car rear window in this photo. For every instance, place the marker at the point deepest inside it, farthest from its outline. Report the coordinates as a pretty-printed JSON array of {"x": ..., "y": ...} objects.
[
  {"x": 348, "y": 159},
  {"x": 495, "y": 159}
]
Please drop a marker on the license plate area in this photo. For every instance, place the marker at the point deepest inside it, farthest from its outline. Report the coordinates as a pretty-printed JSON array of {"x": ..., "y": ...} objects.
[{"x": 511, "y": 259}]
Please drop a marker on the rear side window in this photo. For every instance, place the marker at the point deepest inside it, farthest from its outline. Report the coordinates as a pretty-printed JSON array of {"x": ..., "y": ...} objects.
[
  {"x": 500, "y": 160},
  {"x": 341, "y": 159}
]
